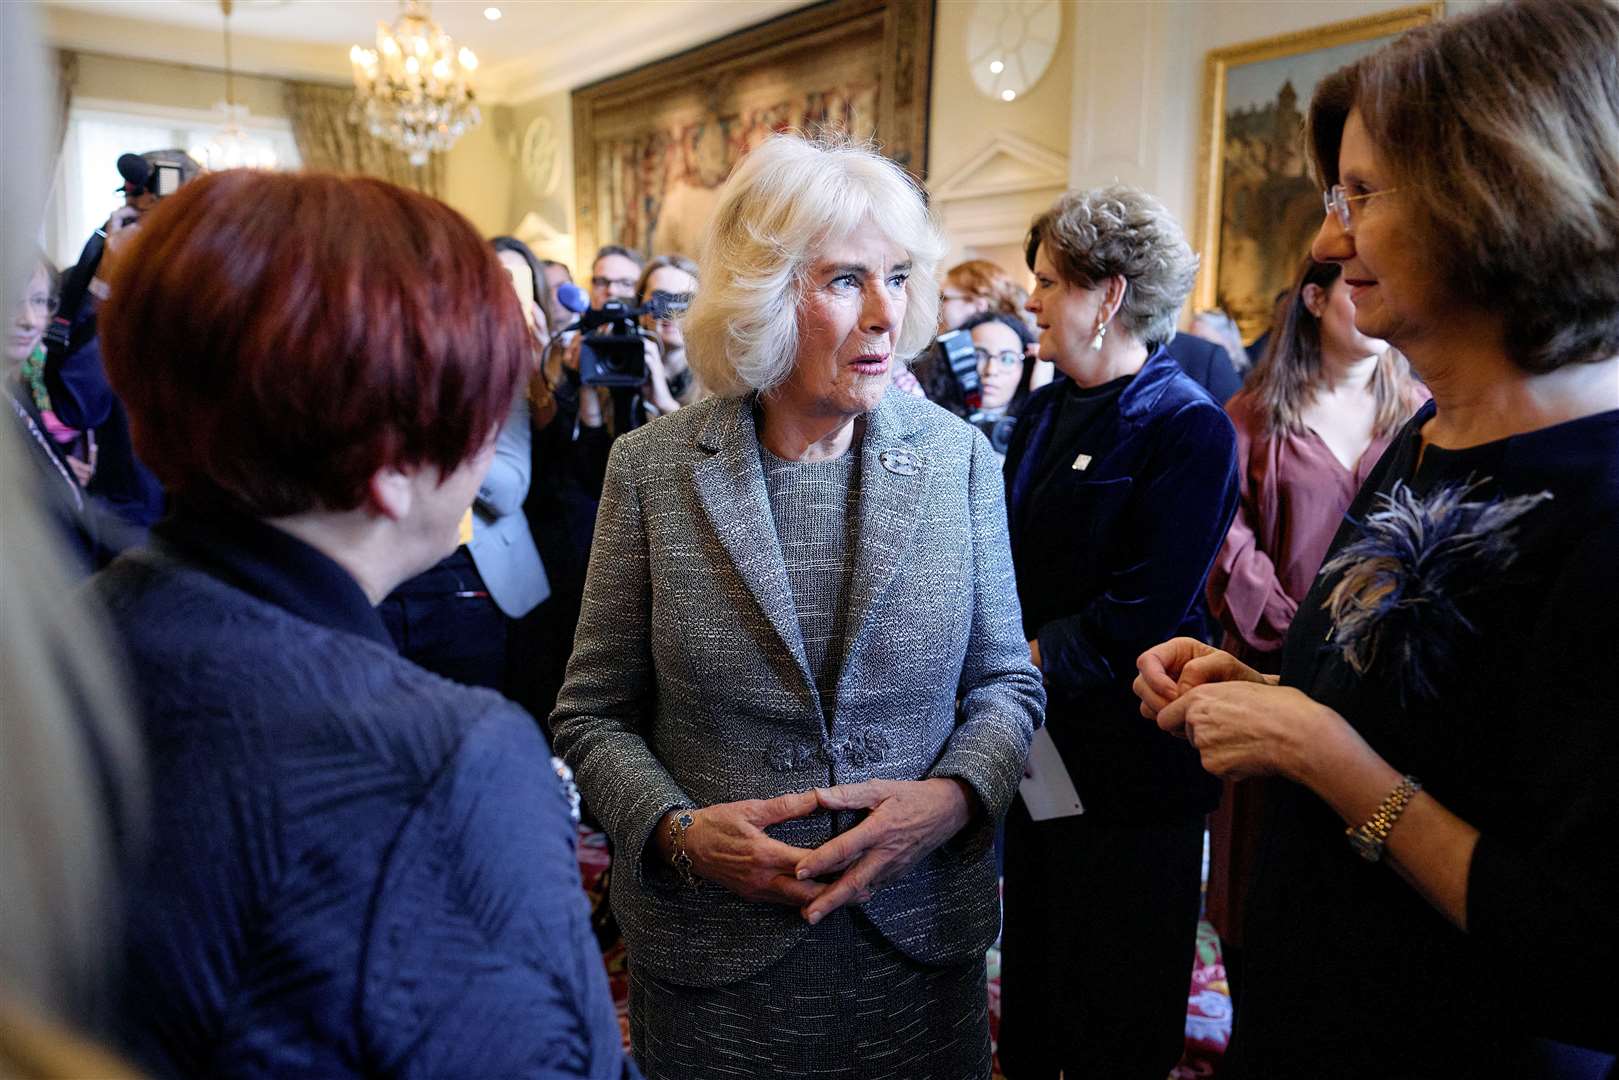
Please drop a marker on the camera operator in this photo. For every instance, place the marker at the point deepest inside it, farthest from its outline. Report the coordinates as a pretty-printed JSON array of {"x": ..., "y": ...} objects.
[
  {"x": 73, "y": 376},
  {"x": 614, "y": 274},
  {"x": 1000, "y": 347},
  {"x": 616, "y": 366},
  {"x": 675, "y": 278}
]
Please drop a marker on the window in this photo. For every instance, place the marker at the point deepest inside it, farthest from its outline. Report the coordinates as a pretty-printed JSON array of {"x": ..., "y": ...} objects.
[{"x": 87, "y": 187}]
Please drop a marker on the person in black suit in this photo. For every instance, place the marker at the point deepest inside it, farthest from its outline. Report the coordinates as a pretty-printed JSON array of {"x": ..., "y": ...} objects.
[{"x": 1207, "y": 363}]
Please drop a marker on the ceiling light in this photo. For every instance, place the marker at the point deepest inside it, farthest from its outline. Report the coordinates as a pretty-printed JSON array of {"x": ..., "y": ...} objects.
[
  {"x": 492, "y": 14},
  {"x": 229, "y": 147},
  {"x": 996, "y": 67},
  {"x": 1008, "y": 95},
  {"x": 414, "y": 89}
]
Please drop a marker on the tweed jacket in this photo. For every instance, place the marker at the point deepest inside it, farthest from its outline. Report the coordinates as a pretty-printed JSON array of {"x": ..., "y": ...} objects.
[{"x": 688, "y": 684}]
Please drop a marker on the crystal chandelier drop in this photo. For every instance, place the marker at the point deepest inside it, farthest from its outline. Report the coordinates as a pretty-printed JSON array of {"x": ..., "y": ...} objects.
[
  {"x": 230, "y": 148},
  {"x": 412, "y": 89}
]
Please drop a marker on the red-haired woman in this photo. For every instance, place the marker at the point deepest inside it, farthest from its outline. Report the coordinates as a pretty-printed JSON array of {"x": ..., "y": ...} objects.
[{"x": 357, "y": 867}]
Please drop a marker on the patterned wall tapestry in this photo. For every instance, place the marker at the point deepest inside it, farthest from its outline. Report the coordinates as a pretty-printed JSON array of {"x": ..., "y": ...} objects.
[{"x": 654, "y": 146}]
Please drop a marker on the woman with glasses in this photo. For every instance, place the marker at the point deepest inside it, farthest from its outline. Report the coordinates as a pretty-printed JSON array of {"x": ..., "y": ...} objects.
[
  {"x": 1121, "y": 480},
  {"x": 1000, "y": 345},
  {"x": 1437, "y": 891}
]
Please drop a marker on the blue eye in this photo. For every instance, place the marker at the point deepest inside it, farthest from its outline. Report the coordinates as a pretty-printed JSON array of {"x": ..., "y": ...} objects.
[{"x": 898, "y": 281}]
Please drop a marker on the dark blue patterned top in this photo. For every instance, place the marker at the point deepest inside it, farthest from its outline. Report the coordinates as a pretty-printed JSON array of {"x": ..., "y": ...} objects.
[{"x": 355, "y": 868}]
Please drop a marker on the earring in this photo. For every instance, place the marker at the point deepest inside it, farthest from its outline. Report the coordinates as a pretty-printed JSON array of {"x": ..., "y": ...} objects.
[{"x": 1096, "y": 342}]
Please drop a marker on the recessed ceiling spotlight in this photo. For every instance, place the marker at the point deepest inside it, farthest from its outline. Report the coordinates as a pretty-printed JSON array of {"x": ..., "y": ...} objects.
[
  {"x": 996, "y": 67},
  {"x": 1008, "y": 95},
  {"x": 492, "y": 14}
]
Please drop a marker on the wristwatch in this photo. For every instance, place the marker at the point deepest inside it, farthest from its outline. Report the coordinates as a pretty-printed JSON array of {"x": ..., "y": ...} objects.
[{"x": 1368, "y": 839}]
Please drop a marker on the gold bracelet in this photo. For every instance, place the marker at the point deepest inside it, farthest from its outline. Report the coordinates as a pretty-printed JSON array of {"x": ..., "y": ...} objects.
[
  {"x": 681, "y": 858},
  {"x": 1368, "y": 839}
]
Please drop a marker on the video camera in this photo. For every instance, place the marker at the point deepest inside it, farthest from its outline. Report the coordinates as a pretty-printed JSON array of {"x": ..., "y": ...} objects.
[
  {"x": 952, "y": 374},
  {"x": 156, "y": 172},
  {"x": 612, "y": 352}
]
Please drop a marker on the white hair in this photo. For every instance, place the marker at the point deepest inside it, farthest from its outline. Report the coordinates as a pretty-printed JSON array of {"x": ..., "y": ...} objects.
[{"x": 784, "y": 201}]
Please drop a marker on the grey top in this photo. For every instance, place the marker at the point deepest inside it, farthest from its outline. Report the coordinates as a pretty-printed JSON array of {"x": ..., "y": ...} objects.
[{"x": 813, "y": 504}]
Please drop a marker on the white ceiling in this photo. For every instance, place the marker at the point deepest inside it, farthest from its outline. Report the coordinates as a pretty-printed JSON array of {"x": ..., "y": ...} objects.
[{"x": 537, "y": 46}]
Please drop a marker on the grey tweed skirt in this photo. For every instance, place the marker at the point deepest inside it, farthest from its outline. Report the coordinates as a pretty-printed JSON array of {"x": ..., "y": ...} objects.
[{"x": 843, "y": 1004}]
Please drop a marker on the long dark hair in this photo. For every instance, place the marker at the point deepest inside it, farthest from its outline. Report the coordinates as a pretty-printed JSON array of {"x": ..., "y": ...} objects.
[{"x": 1283, "y": 383}]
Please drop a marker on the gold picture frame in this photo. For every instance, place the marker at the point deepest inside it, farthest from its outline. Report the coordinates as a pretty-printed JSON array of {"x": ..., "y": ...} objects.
[
  {"x": 1250, "y": 225},
  {"x": 652, "y": 146}
]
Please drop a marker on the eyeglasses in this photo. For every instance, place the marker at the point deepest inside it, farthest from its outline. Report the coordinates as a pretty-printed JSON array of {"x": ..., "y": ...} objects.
[
  {"x": 613, "y": 283},
  {"x": 1005, "y": 359},
  {"x": 1336, "y": 200}
]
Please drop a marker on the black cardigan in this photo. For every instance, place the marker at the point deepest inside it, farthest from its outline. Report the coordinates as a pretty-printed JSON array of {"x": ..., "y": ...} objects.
[{"x": 1349, "y": 971}]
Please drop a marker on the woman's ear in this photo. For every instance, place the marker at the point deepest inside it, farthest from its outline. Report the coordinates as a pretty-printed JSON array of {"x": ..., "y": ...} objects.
[
  {"x": 1113, "y": 295},
  {"x": 391, "y": 493},
  {"x": 1315, "y": 299}
]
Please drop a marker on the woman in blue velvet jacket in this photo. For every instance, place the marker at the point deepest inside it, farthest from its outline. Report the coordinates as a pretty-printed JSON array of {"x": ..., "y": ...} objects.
[
  {"x": 1121, "y": 482},
  {"x": 356, "y": 868}
]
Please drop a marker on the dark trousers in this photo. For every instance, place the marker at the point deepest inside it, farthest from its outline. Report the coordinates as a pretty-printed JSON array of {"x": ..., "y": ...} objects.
[
  {"x": 444, "y": 620},
  {"x": 1097, "y": 946}
]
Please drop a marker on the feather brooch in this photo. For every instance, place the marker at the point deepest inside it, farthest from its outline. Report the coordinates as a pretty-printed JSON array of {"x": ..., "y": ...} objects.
[{"x": 1404, "y": 579}]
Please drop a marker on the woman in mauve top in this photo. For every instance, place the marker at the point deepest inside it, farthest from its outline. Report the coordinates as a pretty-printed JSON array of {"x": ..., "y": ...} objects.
[{"x": 1314, "y": 419}]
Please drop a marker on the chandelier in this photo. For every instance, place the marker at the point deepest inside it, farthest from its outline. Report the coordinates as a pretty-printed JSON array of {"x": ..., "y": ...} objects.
[
  {"x": 230, "y": 147},
  {"x": 412, "y": 89}
]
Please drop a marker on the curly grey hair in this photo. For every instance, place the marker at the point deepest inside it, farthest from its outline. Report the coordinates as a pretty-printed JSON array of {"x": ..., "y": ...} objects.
[{"x": 1120, "y": 231}]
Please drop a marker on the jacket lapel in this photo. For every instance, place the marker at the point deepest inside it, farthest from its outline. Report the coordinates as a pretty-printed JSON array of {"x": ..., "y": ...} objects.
[
  {"x": 730, "y": 488},
  {"x": 893, "y": 478}
]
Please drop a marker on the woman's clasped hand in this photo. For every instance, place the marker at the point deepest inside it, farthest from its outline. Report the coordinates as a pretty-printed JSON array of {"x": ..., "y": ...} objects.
[
  {"x": 907, "y": 819},
  {"x": 1241, "y": 722}
]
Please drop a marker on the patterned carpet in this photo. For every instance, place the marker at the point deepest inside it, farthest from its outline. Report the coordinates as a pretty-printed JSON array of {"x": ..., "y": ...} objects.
[{"x": 1208, "y": 1003}]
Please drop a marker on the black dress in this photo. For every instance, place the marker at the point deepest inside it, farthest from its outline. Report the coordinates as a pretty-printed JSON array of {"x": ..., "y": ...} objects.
[{"x": 1499, "y": 693}]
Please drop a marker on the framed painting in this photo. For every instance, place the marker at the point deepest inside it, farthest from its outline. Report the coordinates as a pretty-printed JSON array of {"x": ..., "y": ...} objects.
[
  {"x": 1258, "y": 208},
  {"x": 652, "y": 147}
]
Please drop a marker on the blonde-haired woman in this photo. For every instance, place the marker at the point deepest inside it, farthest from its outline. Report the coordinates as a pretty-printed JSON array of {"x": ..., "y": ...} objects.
[{"x": 829, "y": 650}]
